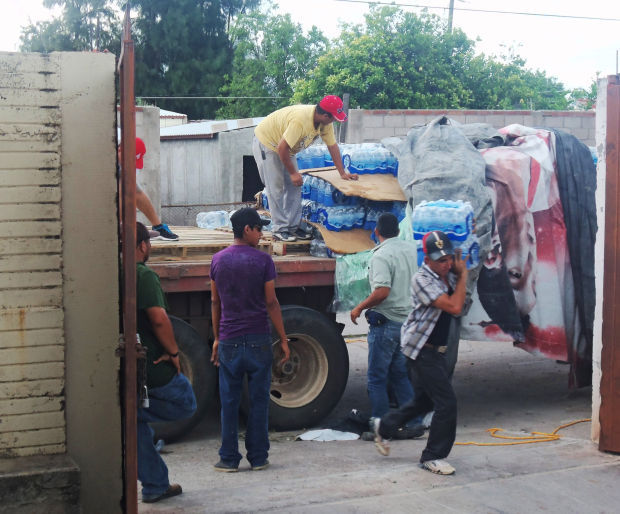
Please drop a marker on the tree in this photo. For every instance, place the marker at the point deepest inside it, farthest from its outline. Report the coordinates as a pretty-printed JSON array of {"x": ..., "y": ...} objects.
[
  {"x": 182, "y": 49},
  {"x": 85, "y": 25},
  {"x": 403, "y": 61},
  {"x": 271, "y": 53},
  {"x": 584, "y": 99}
]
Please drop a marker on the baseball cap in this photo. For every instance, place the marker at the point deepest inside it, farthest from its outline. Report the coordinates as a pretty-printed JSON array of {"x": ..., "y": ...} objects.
[
  {"x": 140, "y": 151},
  {"x": 436, "y": 244},
  {"x": 247, "y": 216},
  {"x": 333, "y": 105}
]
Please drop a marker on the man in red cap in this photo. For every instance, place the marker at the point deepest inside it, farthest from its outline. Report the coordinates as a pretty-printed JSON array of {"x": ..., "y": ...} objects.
[
  {"x": 144, "y": 204},
  {"x": 277, "y": 139}
]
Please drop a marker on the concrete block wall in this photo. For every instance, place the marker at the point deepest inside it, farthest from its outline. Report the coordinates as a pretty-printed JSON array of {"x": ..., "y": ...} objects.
[{"x": 374, "y": 125}]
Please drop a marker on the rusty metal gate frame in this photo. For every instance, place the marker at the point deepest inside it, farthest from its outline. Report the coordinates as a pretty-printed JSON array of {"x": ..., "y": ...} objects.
[
  {"x": 127, "y": 215},
  {"x": 609, "y": 414}
]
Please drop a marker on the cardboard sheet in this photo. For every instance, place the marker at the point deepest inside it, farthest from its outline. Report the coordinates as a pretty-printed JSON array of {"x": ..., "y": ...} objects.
[
  {"x": 378, "y": 187},
  {"x": 346, "y": 241}
]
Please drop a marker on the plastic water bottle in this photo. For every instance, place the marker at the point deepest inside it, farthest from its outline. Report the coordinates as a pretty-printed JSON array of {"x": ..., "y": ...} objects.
[
  {"x": 318, "y": 248},
  {"x": 320, "y": 195},
  {"x": 391, "y": 164},
  {"x": 316, "y": 157},
  {"x": 313, "y": 188},
  {"x": 327, "y": 157},
  {"x": 328, "y": 194},
  {"x": 305, "y": 187}
]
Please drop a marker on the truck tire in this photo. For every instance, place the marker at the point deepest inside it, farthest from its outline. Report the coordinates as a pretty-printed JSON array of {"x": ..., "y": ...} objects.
[
  {"x": 194, "y": 354},
  {"x": 307, "y": 387}
]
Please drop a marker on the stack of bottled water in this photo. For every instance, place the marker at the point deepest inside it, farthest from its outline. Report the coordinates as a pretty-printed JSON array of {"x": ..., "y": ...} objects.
[
  {"x": 455, "y": 219},
  {"x": 314, "y": 157},
  {"x": 369, "y": 158},
  {"x": 213, "y": 219}
]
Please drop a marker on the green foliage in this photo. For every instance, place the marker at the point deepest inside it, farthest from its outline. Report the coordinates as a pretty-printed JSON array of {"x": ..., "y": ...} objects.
[
  {"x": 398, "y": 60},
  {"x": 85, "y": 25},
  {"x": 584, "y": 99},
  {"x": 182, "y": 49},
  {"x": 270, "y": 54}
]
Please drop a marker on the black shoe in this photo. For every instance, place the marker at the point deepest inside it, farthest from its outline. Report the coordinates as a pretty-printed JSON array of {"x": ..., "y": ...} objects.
[
  {"x": 165, "y": 233},
  {"x": 173, "y": 490},
  {"x": 226, "y": 467},
  {"x": 359, "y": 417},
  {"x": 367, "y": 436},
  {"x": 302, "y": 235},
  {"x": 284, "y": 236},
  {"x": 259, "y": 467},
  {"x": 409, "y": 432}
]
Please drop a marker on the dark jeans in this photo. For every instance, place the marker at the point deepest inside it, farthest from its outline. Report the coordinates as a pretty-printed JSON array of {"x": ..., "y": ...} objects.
[
  {"x": 171, "y": 402},
  {"x": 432, "y": 390},
  {"x": 250, "y": 356}
]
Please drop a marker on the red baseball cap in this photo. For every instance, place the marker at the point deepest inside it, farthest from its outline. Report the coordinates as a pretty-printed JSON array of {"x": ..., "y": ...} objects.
[
  {"x": 333, "y": 105},
  {"x": 140, "y": 151}
]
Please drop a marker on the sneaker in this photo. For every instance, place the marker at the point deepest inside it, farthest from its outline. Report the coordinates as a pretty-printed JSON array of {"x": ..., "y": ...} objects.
[
  {"x": 439, "y": 466},
  {"x": 226, "y": 467},
  {"x": 173, "y": 490},
  {"x": 284, "y": 236},
  {"x": 165, "y": 233},
  {"x": 383, "y": 447},
  {"x": 409, "y": 432},
  {"x": 302, "y": 234},
  {"x": 367, "y": 436},
  {"x": 264, "y": 465}
]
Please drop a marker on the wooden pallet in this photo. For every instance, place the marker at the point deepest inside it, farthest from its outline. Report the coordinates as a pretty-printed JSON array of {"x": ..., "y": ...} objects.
[
  {"x": 285, "y": 247},
  {"x": 198, "y": 243}
]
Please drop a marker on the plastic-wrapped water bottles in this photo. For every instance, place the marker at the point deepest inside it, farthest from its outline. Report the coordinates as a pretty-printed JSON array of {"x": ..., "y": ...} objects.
[
  {"x": 318, "y": 248},
  {"x": 391, "y": 164},
  {"x": 328, "y": 194},
  {"x": 304, "y": 159},
  {"x": 305, "y": 187},
  {"x": 454, "y": 218},
  {"x": 316, "y": 157},
  {"x": 212, "y": 219},
  {"x": 327, "y": 157},
  {"x": 265, "y": 199},
  {"x": 314, "y": 182},
  {"x": 320, "y": 195}
]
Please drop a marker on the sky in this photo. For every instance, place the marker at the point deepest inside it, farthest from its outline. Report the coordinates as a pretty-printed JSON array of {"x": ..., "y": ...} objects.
[{"x": 572, "y": 50}]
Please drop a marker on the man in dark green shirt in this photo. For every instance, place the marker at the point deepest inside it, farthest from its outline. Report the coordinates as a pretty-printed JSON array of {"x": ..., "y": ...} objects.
[{"x": 170, "y": 393}]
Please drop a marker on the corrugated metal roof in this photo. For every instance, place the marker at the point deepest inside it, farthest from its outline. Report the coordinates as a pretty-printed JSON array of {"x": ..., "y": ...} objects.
[
  {"x": 206, "y": 129},
  {"x": 163, "y": 113}
]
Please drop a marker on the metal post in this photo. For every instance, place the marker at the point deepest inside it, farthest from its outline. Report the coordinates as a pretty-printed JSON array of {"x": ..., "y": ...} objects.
[{"x": 450, "y": 16}]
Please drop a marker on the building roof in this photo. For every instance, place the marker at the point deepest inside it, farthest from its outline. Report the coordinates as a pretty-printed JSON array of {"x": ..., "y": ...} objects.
[
  {"x": 206, "y": 129},
  {"x": 163, "y": 113}
]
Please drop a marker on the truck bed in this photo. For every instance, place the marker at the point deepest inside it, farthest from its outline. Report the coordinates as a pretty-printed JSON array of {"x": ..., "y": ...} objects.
[{"x": 184, "y": 265}]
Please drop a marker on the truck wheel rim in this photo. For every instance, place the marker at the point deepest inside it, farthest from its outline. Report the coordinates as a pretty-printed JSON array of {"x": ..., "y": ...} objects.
[{"x": 300, "y": 380}]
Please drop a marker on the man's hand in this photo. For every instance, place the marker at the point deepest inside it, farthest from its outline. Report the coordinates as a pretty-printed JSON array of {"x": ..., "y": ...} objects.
[
  {"x": 355, "y": 313},
  {"x": 460, "y": 263},
  {"x": 297, "y": 179},
  {"x": 285, "y": 350},
  {"x": 349, "y": 176},
  {"x": 167, "y": 357},
  {"x": 215, "y": 358}
]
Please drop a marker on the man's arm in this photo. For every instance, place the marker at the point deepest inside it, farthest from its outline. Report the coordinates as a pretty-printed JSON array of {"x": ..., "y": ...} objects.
[
  {"x": 334, "y": 151},
  {"x": 162, "y": 328},
  {"x": 216, "y": 315},
  {"x": 284, "y": 151},
  {"x": 372, "y": 300},
  {"x": 453, "y": 304},
  {"x": 273, "y": 309}
]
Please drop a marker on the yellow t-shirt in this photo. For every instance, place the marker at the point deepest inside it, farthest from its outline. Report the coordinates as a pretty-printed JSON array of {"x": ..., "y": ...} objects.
[{"x": 296, "y": 125}]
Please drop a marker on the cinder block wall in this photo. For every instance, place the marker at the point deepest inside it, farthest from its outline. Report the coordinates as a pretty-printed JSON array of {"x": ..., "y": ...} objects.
[{"x": 374, "y": 125}]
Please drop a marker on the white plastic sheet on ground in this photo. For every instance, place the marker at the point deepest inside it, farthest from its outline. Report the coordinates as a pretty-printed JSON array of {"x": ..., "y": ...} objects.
[{"x": 327, "y": 434}]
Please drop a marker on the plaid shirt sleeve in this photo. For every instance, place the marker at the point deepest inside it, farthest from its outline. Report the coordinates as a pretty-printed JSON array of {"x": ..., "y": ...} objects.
[{"x": 426, "y": 287}]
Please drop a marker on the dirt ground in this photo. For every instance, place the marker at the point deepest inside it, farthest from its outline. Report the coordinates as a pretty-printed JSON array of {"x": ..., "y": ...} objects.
[{"x": 496, "y": 386}]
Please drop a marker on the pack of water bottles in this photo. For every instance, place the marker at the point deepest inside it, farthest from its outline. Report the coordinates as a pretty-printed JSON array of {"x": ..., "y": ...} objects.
[
  {"x": 325, "y": 204},
  {"x": 356, "y": 158},
  {"x": 213, "y": 219},
  {"x": 455, "y": 219},
  {"x": 369, "y": 158}
]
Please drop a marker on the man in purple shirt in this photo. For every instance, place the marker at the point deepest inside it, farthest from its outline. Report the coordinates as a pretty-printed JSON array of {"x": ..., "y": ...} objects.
[{"x": 243, "y": 297}]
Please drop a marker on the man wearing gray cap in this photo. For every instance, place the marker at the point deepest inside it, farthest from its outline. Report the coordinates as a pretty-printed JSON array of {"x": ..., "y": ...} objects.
[{"x": 438, "y": 293}]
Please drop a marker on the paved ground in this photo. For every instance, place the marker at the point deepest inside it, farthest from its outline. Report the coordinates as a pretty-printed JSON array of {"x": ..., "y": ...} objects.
[{"x": 496, "y": 385}]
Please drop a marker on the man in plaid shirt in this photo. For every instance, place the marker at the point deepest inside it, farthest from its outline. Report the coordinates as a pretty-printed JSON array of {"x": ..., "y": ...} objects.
[{"x": 438, "y": 293}]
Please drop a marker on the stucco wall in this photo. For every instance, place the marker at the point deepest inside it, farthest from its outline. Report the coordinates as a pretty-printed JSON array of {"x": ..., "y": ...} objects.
[
  {"x": 59, "y": 267},
  {"x": 374, "y": 125}
]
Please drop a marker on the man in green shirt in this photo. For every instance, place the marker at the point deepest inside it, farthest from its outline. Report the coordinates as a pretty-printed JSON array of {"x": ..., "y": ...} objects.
[
  {"x": 170, "y": 394},
  {"x": 277, "y": 139},
  {"x": 392, "y": 266}
]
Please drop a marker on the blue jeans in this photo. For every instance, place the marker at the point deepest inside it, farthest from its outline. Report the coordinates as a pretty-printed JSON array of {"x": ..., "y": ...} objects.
[
  {"x": 386, "y": 363},
  {"x": 250, "y": 356},
  {"x": 171, "y": 402}
]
